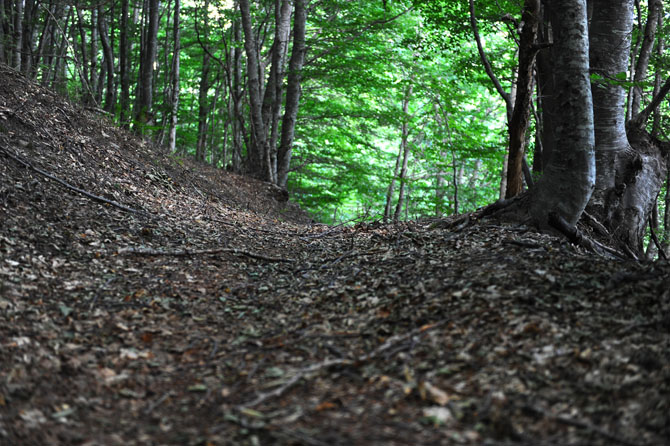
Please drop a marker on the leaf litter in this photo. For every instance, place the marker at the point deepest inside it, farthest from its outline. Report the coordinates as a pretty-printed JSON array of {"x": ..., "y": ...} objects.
[{"x": 191, "y": 306}]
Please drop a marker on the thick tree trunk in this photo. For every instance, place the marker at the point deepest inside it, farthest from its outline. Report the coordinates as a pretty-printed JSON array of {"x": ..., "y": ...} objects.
[
  {"x": 631, "y": 167},
  {"x": 568, "y": 180},
  {"x": 610, "y": 37},
  {"x": 292, "y": 93}
]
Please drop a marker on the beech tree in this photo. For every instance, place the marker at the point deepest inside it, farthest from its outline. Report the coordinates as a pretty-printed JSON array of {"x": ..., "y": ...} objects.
[{"x": 569, "y": 177}]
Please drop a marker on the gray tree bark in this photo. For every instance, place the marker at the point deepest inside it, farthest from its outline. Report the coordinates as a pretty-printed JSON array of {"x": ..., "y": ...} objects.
[
  {"x": 148, "y": 57},
  {"x": 642, "y": 65},
  {"x": 258, "y": 146},
  {"x": 569, "y": 178},
  {"x": 631, "y": 167},
  {"x": 174, "y": 87},
  {"x": 292, "y": 93}
]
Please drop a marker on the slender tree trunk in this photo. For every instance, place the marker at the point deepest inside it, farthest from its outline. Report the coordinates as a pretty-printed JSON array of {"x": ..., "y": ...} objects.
[
  {"x": 45, "y": 37},
  {"x": 642, "y": 66},
  {"x": 457, "y": 176},
  {"x": 666, "y": 217},
  {"x": 391, "y": 188},
  {"x": 568, "y": 180},
  {"x": 58, "y": 65},
  {"x": 108, "y": 59},
  {"x": 405, "y": 152},
  {"x": 124, "y": 70},
  {"x": 18, "y": 34},
  {"x": 27, "y": 43},
  {"x": 292, "y": 93},
  {"x": 203, "y": 93},
  {"x": 236, "y": 92},
  {"x": 660, "y": 48},
  {"x": 93, "y": 80},
  {"x": 520, "y": 121},
  {"x": 174, "y": 90},
  {"x": 273, "y": 92},
  {"x": 143, "y": 114},
  {"x": 258, "y": 147}
]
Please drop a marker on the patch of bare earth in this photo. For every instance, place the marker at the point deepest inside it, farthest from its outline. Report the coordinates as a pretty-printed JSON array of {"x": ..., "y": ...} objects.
[{"x": 182, "y": 305}]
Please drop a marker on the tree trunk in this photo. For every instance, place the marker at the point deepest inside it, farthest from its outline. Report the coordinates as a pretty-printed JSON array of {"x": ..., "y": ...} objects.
[
  {"x": 108, "y": 53},
  {"x": 45, "y": 40},
  {"x": 93, "y": 57},
  {"x": 148, "y": 51},
  {"x": 174, "y": 88},
  {"x": 391, "y": 188},
  {"x": 18, "y": 34},
  {"x": 520, "y": 121},
  {"x": 611, "y": 26},
  {"x": 568, "y": 180},
  {"x": 203, "y": 92},
  {"x": 124, "y": 70},
  {"x": 29, "y": 10},
  {"x": 631, "y": 167},
  {"x": 660, "y": 48},
  {"x": 405, "y": 152},
  {"x": 292, "y": 93},
  {"x": 258, "y": 144},
  {"x": 642, "y": 66},
  {"x": 273, "y": 93}
]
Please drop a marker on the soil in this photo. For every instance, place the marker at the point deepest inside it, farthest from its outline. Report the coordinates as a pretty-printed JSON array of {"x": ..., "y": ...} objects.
[{"x": 149, "y": 300}]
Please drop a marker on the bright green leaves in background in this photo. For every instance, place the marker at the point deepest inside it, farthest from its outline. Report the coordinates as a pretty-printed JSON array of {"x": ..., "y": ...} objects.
[{"x": 349, "y": 130}]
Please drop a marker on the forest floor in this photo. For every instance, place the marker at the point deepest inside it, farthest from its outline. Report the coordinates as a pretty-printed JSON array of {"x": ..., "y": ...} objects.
[{"x": 182, "y": 305}]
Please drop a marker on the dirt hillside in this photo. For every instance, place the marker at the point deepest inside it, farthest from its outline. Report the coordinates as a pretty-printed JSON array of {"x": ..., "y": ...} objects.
[{"x": 147, "y": 300}]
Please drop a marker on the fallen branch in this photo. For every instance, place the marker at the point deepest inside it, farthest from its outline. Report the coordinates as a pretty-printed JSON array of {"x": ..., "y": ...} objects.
[
  {"x": 64, "y": 183},
  {"x": 309, "y": 370},
  {"x": 195, "y": 252}
]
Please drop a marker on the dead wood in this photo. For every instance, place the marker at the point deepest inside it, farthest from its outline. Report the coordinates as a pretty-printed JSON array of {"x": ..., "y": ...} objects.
[
  {"x": 8, "y": 153},
  {"x": 197, "y": 252},
  {"x": 308, "y": 371}
]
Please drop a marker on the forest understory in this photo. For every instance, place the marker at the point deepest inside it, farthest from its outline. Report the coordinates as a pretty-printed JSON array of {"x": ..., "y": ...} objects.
[{"x": 148, "y": 300}]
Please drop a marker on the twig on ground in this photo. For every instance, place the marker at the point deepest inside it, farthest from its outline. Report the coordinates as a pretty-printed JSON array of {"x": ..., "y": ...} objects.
[
  {"x": 581, "y": 424},
  {"x": 309, "y": 370},
  {"x": 64, "y": 183},
  {"x": 157, "y": 403},
  {"x": 194, "y": 252}
]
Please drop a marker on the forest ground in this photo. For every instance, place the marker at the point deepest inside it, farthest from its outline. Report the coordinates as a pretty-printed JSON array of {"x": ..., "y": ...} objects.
[{"x": 189, "y": 306}]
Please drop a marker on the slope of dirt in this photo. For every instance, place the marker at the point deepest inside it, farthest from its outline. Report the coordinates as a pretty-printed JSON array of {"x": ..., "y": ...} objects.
[{"x": 180, "y": 305}]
